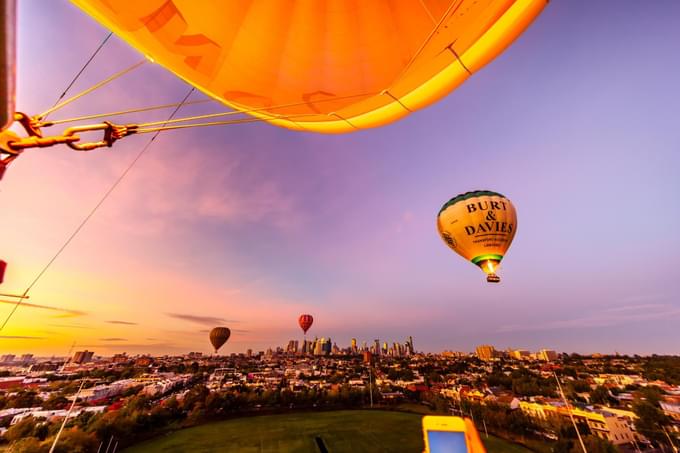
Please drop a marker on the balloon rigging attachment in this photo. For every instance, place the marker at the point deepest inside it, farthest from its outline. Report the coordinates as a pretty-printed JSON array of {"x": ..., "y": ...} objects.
[
  {"x": 70, "y": 137},
  {"x": 12, "y": 145}
]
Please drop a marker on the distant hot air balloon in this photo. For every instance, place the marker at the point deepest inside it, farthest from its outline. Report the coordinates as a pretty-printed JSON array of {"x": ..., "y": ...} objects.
[
  {"x": 479, "y": 226},
  {"x": 305, "y": 322},
  {"x": 219, "y": 336}
]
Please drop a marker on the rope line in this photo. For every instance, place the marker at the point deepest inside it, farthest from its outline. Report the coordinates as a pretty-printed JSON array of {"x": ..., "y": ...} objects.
[
  {"x": 122, "y": 112},
  {"x": 91, "y": 213},
  {"x": 425, "y": 43},
  {"x": 147, "y": 130},
  {"x": 92, "y": 88},
  {"x": 254, "y": 110},
  {"x": 145, "y": 127},
  {"x": 87, "y": 63}
]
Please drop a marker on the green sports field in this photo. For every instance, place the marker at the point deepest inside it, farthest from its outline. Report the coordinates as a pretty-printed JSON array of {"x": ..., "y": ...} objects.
[{"x": 341, "y": 431}]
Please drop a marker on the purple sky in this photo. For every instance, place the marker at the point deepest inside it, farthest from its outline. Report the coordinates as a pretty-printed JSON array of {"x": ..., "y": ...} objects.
[{"x": 577, "y": 123}]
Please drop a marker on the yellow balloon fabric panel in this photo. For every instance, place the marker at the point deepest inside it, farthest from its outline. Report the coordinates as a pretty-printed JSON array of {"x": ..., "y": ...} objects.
[
  {"x": 479, "y": 226},
  {"x": 320, "y": 65}
]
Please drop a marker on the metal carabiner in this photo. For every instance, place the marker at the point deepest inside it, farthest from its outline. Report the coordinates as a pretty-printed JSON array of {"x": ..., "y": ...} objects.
[{"x": 112, "y": 133}]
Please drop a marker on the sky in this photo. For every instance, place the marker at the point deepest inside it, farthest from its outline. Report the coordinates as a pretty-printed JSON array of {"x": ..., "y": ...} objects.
[{"x": 249, "y": 226}]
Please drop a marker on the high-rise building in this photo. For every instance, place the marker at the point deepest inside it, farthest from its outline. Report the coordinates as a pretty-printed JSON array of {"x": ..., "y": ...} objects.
[
  {"x": 368, "y": 357},
  {"x": 318, "y": 346},
  {"x": 314, "y": 345},
  {"x": 547, "y": 355},
  {"x": 292, "y": 346},
  {"x": 26, "y": 359},
  {"x": 249, "y": 353},
  {"x": 384, "y": 348},
  {"x": 82, "y": 356},
  {"x": 354, "y": 345},
  {"x": 409, "y": 346},
  {"x": 519, "y": 354},
  {"x": 396, "y": 349},
  {"x": 486, "y": 352},
  {"x": 7, "y": 358},
  {"x": 376, "y": 346},
  {"x": 308, "y": 346}
]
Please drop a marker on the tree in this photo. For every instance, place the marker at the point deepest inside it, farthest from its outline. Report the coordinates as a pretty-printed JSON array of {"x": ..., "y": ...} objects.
[
  {"x": 24, "y": 398},
  {"x": 600, "y": 395},
  {"x": 74, "y": 441},
  {"x": 24, "y": 428},
  {"x": 580, "y": 386},
  {"x": 55, "y": 401},
  {"x": 28, "y": 445},
  {"x": 650, "y": 421}
]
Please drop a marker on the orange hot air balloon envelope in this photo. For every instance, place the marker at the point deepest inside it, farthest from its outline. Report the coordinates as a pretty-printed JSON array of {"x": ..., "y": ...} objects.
[
  {"x": 479, "y": 226},
  {"x": 219, "y": 336},
  {"x": 305, "y": 322},
  {"x": 320, "y": 65}
]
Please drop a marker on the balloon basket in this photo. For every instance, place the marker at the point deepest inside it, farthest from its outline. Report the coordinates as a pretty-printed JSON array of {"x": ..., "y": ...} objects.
[{"x": 493, "y": 278}]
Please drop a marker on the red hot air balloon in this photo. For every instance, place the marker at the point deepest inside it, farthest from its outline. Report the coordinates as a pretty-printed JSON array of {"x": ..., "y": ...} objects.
[{"x": 305, "y": 322}]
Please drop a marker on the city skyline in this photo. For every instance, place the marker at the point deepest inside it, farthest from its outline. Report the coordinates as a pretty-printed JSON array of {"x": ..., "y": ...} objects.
[
  {"x": 248, "y": 226},
  {"x": 308, "y": 346}
]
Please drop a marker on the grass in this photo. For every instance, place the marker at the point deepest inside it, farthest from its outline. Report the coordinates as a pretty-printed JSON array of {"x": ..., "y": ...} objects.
[{"x": 341, "y": 431}]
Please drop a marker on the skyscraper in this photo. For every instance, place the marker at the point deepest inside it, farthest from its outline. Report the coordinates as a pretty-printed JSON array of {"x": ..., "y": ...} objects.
[
  {"x": 292, "y": 346},
  {"x": 354, "y": 345},
  {"x": 547, "y": 354},
  {"x": 409, "y": 346},
  {"x": 82, "y": 356},
  {"x": 318, "y": 346},
  {"x": 376, "y": 346},
  {"x": 486, "y": 352},
  {"x": 519, "y": 354}
]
